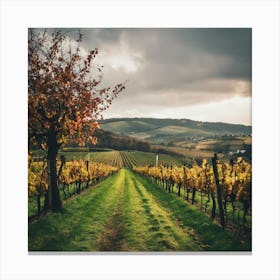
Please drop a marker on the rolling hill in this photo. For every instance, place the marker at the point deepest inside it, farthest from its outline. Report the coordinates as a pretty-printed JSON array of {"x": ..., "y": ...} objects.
[{"x": 165, "y": 130}]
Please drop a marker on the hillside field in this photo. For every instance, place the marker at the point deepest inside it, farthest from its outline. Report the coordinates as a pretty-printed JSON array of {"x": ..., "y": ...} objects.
[
  {"x": 119, "y": 158},
  {"x": 166, "y": 130}
]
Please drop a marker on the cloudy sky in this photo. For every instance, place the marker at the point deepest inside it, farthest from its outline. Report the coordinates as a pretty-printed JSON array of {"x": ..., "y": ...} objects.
[{"x": 200, "y": 74}]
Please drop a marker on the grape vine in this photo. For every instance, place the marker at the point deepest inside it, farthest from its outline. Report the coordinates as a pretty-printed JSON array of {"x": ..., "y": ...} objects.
[
  {"x": 198, "y": 181},
  {"x": 73, "y": 177}
]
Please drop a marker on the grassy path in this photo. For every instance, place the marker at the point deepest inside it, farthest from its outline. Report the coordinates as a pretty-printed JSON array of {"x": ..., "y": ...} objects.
[
  {"x": 78, "y": 226},
  {"x": 127, "y": 213},
  {"x": 211, "y": 236}
]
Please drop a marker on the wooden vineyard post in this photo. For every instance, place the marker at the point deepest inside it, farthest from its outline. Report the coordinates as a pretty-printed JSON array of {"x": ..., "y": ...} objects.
[{"x": 218, "y": 188}]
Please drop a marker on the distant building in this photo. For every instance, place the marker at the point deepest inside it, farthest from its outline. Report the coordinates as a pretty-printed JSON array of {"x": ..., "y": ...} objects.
[{"x": 237, "y": 152}]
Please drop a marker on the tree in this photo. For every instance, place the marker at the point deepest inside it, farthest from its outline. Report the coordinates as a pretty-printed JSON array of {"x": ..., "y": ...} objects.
[{"x": 65, "y": 97}]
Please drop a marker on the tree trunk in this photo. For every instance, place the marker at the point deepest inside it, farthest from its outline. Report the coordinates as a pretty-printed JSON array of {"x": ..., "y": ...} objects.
[{"x": 52, "y": 200}]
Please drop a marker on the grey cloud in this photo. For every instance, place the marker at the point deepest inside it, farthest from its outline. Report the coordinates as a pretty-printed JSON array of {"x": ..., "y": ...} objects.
[
  {"x": 176, "y": 58},
  {"x": 176, "y": 66},
  {"x": 189, "y": 46}
]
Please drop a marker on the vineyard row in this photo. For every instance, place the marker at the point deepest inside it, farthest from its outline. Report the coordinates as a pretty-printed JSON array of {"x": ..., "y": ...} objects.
[
  {"x": 230, "y": 184},
  {"x": 73, "y": 177}
]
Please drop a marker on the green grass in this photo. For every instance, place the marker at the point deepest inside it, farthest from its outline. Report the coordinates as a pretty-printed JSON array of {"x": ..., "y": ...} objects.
[
  {"x": 77, "y": 226},
  {"x": 238, "y": 208},
  {"x": 212, "y": 235},
  {"x": 129, "y": 213}
]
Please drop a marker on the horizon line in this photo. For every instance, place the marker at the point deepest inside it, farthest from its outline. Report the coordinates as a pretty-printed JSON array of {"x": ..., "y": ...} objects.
[{"x": 158, "y": 118}]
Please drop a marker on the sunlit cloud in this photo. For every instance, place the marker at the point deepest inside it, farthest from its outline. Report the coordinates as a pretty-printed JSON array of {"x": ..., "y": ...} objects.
[
  {"x": 197, "y": 73},
  {"x": 236, "y": 110},
  {"x": 120, "y": 57}
]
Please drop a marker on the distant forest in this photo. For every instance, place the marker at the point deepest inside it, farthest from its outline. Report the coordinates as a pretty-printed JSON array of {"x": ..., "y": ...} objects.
[{"x": 114, "y": 141}]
